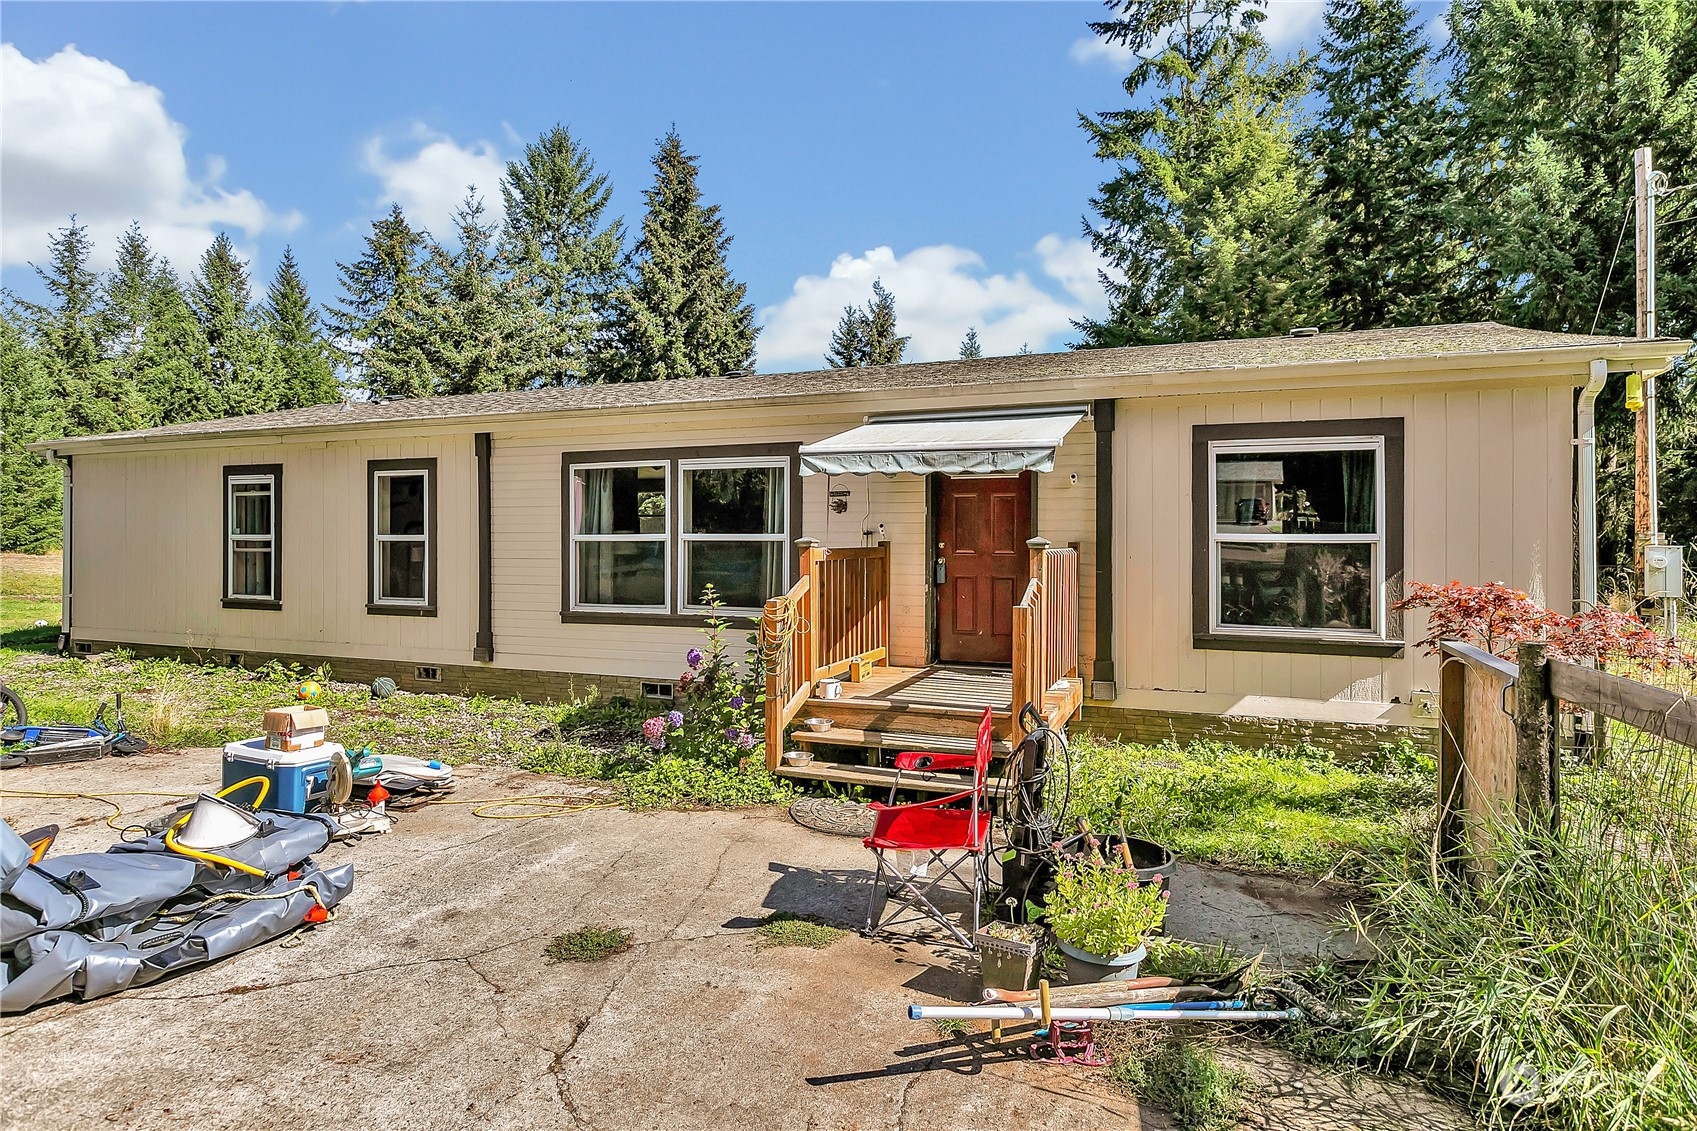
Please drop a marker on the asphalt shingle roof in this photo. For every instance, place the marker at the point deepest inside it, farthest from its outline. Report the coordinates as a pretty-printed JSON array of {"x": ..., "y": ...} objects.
[{"x": 1130, "y": 361}]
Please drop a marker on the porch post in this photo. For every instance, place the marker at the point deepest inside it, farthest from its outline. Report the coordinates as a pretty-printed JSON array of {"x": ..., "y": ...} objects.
[
  {"x": 813, "y": 602},
  {"x": 1102, "y": 681}
]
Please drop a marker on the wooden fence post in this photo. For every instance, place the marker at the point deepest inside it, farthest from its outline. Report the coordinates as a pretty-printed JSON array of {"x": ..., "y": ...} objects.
[{"x": 1535, "y": 738}]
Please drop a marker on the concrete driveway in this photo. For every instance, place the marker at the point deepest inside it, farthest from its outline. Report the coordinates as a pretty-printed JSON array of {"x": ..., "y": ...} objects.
[{"x": 427, "y": 1003}]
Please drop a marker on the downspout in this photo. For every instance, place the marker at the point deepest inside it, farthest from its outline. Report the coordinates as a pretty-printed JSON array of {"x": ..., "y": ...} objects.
[
  {"x": 1587, "y": 428},
  {"x": 483, "y": 649},
  {"x": 63, "y": 644},
  {"x": 1103, "y": 684}
]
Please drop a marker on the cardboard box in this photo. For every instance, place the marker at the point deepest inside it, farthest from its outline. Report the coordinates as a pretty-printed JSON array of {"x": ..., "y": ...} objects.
[
  {"x": 300, "y": 740},
  {"x": 295, "y": 728}
]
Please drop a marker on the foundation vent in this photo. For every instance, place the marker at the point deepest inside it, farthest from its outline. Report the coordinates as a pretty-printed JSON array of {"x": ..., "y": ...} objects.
[
  {"x": 426, "y": 674},
  {"x": 661, "y": 691}
]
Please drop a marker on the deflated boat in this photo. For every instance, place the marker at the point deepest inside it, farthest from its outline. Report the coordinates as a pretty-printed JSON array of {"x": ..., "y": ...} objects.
[{"x": 224, "y": 879}]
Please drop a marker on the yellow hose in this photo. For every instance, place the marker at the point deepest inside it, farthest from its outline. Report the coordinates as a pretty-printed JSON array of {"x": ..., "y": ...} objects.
[{"x": 212, "y": 857}]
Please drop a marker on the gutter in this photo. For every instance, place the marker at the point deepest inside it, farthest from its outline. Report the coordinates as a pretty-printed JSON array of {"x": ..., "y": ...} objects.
[
  {"x": 1587, "y": 441},
  {"x": 63, "y": 644}
]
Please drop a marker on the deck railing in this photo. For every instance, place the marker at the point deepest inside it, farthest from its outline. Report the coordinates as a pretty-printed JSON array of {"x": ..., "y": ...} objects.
[
  {"x": 852, "y": 629},
  {"x": 786, "y": 651},
  {"x": 1045, "y": 625}
]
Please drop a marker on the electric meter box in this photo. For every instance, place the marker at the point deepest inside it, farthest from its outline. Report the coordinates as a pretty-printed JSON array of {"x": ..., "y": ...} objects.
[{"x": 1664, "y": 572}]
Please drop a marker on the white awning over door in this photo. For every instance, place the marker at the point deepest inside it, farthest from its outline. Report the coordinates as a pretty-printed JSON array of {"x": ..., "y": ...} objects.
[{"x": 990, "y": 443}]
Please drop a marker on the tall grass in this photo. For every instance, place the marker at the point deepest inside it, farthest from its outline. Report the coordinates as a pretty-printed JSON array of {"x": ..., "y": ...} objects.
[{"x": 1560, "y": 987}]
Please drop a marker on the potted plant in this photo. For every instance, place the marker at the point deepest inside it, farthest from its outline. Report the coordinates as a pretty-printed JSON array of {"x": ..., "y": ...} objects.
[
  {"x": 1007, "y": 954},
  {"x": 1101, "y": 916}
]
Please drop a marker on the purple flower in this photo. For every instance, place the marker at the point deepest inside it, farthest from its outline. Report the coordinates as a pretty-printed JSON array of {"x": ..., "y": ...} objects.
[
  {"x": 738, "y": 702},
  {"x": 746, "y": 741},
  {"x": 676, "y": 718},
  {"x": 654, "y": 728},
  {"x": 731, "y": 734},
  {"x": 693, "y": 657}
]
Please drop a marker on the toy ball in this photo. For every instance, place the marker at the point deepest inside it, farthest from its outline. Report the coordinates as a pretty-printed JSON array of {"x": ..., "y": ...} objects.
[
  {"x": 382, "y": 687},
  {"x": 308, "y": 691}
]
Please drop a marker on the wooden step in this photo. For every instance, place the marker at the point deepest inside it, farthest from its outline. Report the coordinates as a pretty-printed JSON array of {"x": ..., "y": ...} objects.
[
  {"x": 878, "y": 779},
  {"x": 914, "y": 718},
  {"x": 895, "y": 740}
]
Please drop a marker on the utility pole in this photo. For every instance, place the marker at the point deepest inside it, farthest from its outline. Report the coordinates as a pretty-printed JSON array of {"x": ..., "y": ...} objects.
[{"x": 1644, "y": 517}]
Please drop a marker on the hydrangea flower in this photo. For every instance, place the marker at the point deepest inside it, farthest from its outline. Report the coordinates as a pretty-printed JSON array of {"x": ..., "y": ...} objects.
[
  {"x": 654, "y": 728},
  {"x": 686, "y": 679},
  {"x": 747, "y": 741},
  {"x": 738, "y": 702},
  {"x": 731, "y": 734},
  {"x": 676, "y": 718},
  {"x": 693, "y": 657}
]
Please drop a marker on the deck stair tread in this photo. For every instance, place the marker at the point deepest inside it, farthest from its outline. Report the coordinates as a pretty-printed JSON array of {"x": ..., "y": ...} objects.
[
  {"x": 895, "y": 740},
  {"x": 882, "y": 777}
]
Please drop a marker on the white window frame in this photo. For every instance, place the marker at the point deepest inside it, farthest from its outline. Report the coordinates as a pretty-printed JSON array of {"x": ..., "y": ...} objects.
[
  {"x": 664, "y": 537},
  {"x": 377, "y": 597},
  {"x": 231, "y": 537},
  {"x": 782, "y": 463},
  {"x": 1217, "y": 538}
]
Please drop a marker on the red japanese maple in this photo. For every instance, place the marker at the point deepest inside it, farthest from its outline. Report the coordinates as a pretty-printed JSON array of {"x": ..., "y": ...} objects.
[{"x": 1496, "y": 618}]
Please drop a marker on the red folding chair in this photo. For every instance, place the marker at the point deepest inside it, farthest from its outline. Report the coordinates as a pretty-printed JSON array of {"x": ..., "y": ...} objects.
[{"x": 934, "y": 828}]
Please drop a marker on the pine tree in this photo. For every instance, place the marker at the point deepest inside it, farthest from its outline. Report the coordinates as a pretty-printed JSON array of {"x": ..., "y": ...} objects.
[
  {"x": 682, "y": 315},
  {"x": 478, "y": 331},
  {"x": 1380, "y": 144},
  {"x": 243, "y": 367},
  {"x": 172, "y": 367},
  {"x": 1208, "y": 220},
  {"x": 30, "y": 410},
  {"x": 127, "y": 295},
  {"x": 867, "y": 336},
  {"x": 95, "y": 396},
  {"x": 1554, "y": 98},
  {"x": 564, "y": 254},
  {"x": 303, "y": 356},
  {"x": 377, "y": 323},
  {"x": 969, "y": 347}
]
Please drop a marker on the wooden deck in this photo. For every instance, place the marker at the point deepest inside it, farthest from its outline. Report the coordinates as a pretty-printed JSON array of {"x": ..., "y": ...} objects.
[{"x": 936, "y": 686}]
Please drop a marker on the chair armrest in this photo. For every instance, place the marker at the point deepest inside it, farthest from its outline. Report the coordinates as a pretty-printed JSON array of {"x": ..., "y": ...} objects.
[{"x": 909, "y": 760}]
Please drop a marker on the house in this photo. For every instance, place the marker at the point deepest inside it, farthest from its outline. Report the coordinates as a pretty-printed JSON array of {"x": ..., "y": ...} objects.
[{"x": 1227, "y": 526}]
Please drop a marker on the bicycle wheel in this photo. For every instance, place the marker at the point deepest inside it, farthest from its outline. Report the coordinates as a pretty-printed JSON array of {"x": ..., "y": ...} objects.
[{"x": 13, "y": 713}]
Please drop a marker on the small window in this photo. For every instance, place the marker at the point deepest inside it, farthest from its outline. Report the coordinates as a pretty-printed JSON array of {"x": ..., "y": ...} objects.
[
  {"x": 252, "y": 542},
  {"x": 733, "y": 533},
  {"x": 403, "y": 536},
  {"x": 1298, "y": 537},
  {"x": 618, "y": 529}
]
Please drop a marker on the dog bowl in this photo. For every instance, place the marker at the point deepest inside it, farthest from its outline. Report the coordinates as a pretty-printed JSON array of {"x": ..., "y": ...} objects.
[
  {"x": 798, "y": 757},
  {"x": 816, "y": 724}
]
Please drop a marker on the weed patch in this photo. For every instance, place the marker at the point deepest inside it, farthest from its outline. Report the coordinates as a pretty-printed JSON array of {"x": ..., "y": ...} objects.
[
  {"x": 589, "y": 944},
  {"x": 781, "y": 928},
  {"x": 1180, "y": 1075},
  {"x": 1290, "y": 810}
]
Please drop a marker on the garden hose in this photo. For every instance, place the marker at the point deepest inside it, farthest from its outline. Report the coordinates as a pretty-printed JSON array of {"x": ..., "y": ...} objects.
[
  {"x": 102, "y": 798},
  {"x": 547, "y": 804},
  {"x": 212, "y": 857}
]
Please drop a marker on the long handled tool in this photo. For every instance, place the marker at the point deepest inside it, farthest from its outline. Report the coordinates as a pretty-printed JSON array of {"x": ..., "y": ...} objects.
[
  {"x": 1104, "y": 1013},
  {"x": 1229, "y": 984}
]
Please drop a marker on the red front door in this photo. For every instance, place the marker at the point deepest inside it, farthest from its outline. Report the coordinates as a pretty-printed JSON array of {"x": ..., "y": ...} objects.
[{"x": 982, "y": 524}]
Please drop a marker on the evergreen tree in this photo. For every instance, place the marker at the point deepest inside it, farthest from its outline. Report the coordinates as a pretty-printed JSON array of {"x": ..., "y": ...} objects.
[
  {"x": 127, "y": 296},
  {"x": 1208, "y": 220},
  {"x": 303, "y": 356},
  {"x": 567, "y": 258},
  {"x": 30, "y": 410},
  {"x": 65, "y": 335},
  {"x": 969, "y": 347},
  {"x": 172, "y": 367},
  {"x": 867, "y": 337},
  {"x": 1553, "y": 99},
  {"x": 242, "y": 362},
  {"x": 682, "y": 315},
  {"x": 478, "y": 331},
  {"x": 1380, "y": 146},
  {"x": 377, "y": 324}
]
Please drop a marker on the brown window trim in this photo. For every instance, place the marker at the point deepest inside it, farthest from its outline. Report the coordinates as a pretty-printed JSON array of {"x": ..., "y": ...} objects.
[
  {"x": 1201, "y": 527},
  {"x": 373, "y": 606},
  {"x": 669, "y": 457},
  {"x": 273, "y": 603}
]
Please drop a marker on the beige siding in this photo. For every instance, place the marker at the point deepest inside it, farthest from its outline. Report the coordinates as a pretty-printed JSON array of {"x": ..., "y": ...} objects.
[
  {"x": 148, "y": 552},
  {"x": 1488, "y": 497}
]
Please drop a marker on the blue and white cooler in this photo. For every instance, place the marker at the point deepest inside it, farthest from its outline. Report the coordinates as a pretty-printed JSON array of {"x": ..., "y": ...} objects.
[{"x": 298, "y": 778}]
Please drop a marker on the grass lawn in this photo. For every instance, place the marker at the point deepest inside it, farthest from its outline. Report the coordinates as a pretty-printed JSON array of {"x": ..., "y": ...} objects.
[
  {"x": 29, "y": 594},
  {"x": 1297, "y": 811}
]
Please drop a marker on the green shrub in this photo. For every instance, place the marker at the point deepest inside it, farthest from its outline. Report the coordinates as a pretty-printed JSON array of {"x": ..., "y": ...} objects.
[
  {"x": 678, "y": 783},
  {"x": 1186, "y": 1079}
]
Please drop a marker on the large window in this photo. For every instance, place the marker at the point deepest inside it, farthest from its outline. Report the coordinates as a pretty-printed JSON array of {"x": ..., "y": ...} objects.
[
  {"x": 403, "y": 536},
  {"x": 647, "y": 536},
  {"x": 619, "y": 547},
  {"x": 734, "y": 531},
  {"x": 252, "y": 544},
  {"x": 1298, "y": 533}
]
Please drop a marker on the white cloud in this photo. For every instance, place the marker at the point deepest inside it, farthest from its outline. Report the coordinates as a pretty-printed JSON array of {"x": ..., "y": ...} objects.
[
  {"x": 430, "y": 181},
  {"x": 940, "y": 291},
  {"x": 82, "y": 136},
  {"x": 1291, "y": 24},
  {"x": 1088, "y": 49}
]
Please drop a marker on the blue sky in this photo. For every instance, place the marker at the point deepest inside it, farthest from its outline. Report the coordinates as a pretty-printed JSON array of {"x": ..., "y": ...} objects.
[{"x": 934, "y": 145}]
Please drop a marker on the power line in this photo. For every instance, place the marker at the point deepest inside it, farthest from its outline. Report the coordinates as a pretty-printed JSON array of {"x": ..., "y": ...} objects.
[{"x": 1602, "y": 294}]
